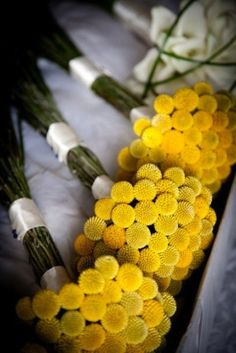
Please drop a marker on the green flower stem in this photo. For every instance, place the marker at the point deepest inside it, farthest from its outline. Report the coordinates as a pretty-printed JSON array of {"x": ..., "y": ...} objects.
[{"x": 115, "y": 94}]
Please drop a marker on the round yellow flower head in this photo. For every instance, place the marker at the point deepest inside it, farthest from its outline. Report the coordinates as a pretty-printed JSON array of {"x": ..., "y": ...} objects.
[
  {"x": 224, "y": 103},
  {"x": 211, "y": 216},
  {"x": 93, "y": 307},
  {"x": 138, "y": 149},
  {"x": 33, "y": 348},
  {"x": 102, "y": 249},
  {"x": 163, "y": 283},
  {"x": 84, "y": 263},
  {"x": 195, "y": 242},
  {"x": 122, "y": 192},
  {"x": 226, "y": 138},
  {"x": 164, "y": 271},
  {"x": 46, "y": 304},
  {"x": 169, "y": 304},
  {"x": 185, "y": 212},
  {"x": 94, "y": 228},
  {"x": 129, "y": 277},
  {"x": 220, "y": 121},
  {"x": 91, "y": 281},
  {"x": 144, "y": 189},
  {"x": 72, "y": 323},
  {"x": 49, "y": 331},
  {"x": 202, "y": 87},
  {"x": 166, "y": 224},
  {"x": 108, "y": 266},
  {"x": 149, "y": 260},
  {"x": 127, "y": 254},
  {"x": 207, "y": 227},
  {"x": 145, "y": 212},
  {"x": 149, "y": 171},
  {"x": 180, "y": 239},
  {"x": 156, "y": 155},
  {"x": 180, "y": 273},
  {"x": 193, "y": 136},
  {"x": 164, "y": 104},
  {"x": 112, "y": 292},
  {"x": 92, "y": 337},
  {"x": 67, "y": 344},
  {"x": 186, "y": 194},
  {"x": 186, "y": 258},
  {"x": 202, "y": 120},
  {"x": 167, "y": 186},
  {"x": 132, "y": 303},
  {"x": 201, "y": 207},
  {"x": 198, "y": 258},
  {"x": 136, "y": 331},
  {"x": 207, "y": 159},
  {"x": 134, "y": 348},
  {"x": 231, "y": 154},
  {"x": 173, "y": 142},
  {"x": 140, "y": 125},
  {"x": 138, "y": 235},
  {"x": 126, "y": 161},
  {"x": 175, "y": 174},
  {"x": 115, "y": 319},
  {"x": 153, "y": 313},
  {"x": 114, "y": 236},
  {"x": 210, "y": 140},
  {"x": 190, "y": 154},
  {"x": 152, "y": 341},
  {"x": 152, "y": 137},
  {"x": 158, "y": 242},
  {"x": 24, "y": 309},
  {"x": 83, "y": 246},
  {"x": 166, "y": 204},
  {"x": 207, "y": 103},
  {"x": 162, "y": 122},
  {"x": 71, "y": 296},
  {"x": 186, "y": 98},
  {"x": 113, "y": 343},
  {"x": 103, "y": 208},
  {"x": 182, "y": 120},
  {"x": 148, "y": 289},
  {"x": 222, "y": 172},
  {"x": 164, "y": 326},
  {"x": 123, "y": 215},
  {"x": 170, "y": 256},
  {"x": 175, "y": 287}
]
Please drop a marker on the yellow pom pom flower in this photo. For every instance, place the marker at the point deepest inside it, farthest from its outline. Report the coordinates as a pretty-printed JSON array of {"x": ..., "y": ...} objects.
[
  {"x": 185, "y": 259},
  {"x": 153, "y": 313},
  {"x": 138, "y": 235},
  {"x": 163, "y": 104},
  {"x": 185, "y": 212},
  {"x": 173, "y": 142},
  {"x": 162, "y": 122},
  {"x": 84, "y": 263},
  {"x": 71, "y": 296},
  {"x": 136, "y": 331},
  {"x": 186, "y": 98},
  {"x": 186, "y": 194},
  {"x": 140, "y": 125},
  {"x": 225, "y": 138},
  {"x": 102, "y": 249},
  {"x": 198, "y": 258},
  {"x": 94, "y": 228},
  {"x": 156, "y": 155},
  {"x": 138, "y": 149},
  {"x": 144, "y": 189},
  {"x": 231, "y": 154},
  {"x": 24, "y": 309},
  {"x": 92, "y": 337},
  {"x": 128, "y": 254},
  {"x": 149, "y": 260},
  {"x": 207, "y": 103},
  {"x": 149, "y": 171},
  {"x": 176, "y": 175},
  {"x": 182, "y": 120},
  {"x": 114, "y": 236},
  {"x": 91, "y": 281},
  {"x": 46, "y": 304},
  {"x": 207, "y": 159},
  {"x": 152, "y": 137},
  {"x": 115, "y": 319},
  {"x": 123, "y": 215},
  {"x": 206, "y": 193},
  {"x": 166, "y": 204},
  {"x": 211, "y": 216},
  {"x": 180, "y": 239},
  {"x": 170, "y": 256},
  {"x": 214, "y": 187},
  {"x": 166, "y": 224},
  {"x": 169, "y": 304},
  {"x": 108, "y": 266},
  {"x": 180, "y": 273},
  {"x": 175, "y": 287},
  {"x": 190, "y": 154},
  {"x": 72, "y": 323},
  {"x": 145, "y": 212},
  {"x": 164, "y": 271},
  {"x": 207, "y": 227},
  {"x": 158, "y": 242},
  {"x": 132, "y": 303},
  {"x": 194, "y": 184},
  {"x": 209, "y": 177},
  {"x": 163, "y": 283},
  {"x": 129, "y": 277},
  {"x": 83, "y": 246},
  {"x": 194, "y": 227},
  {"x": 210, "y": 140},
  {"x": 49, "y": 331},
  {"x": 223, "y": 172},
  {"x": 195, "y": 242},
  {"x": 164, "y": 326},
  {"x": 202, "y": 87},
  {"x": 206, "y": 241},
  {"x": 67, "y": 344},
  {"x": 113, "y": 343},
  {"x": 201, "y": 207},
  {"x": 148, "y": 289},
  {"x": 103, "y": 208},
  {"x": 202, "y": 120},
  {"x": 220, "y": 121},
  {"x": 93, "y": 307},
  {"x": 126, "y": 161},
  {"x": 122, "y": 192},
  {"x": 152, "y": 341},
  {"x": 111, "y": 292}
]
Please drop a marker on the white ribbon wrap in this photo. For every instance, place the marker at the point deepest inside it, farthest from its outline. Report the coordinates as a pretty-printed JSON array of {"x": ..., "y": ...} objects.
[
  {"x": 140, "y": 112},
  {"x": 101, "y": 187},
  {"x": 54, "y": 278},
  {"x": 84, "y": 70},
  {"x": 24, "y": 215},
  {"x": 62, "y": 138}
]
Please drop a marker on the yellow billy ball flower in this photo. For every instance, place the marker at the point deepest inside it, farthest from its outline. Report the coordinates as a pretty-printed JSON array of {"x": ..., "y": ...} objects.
[
  {"x": 169, "y": 304},
  {"x": 173, "y": 142},
  {"x": 163, "y": 283},
  {"x": 210, "y": 140},
  {"x": 231, "y": 154},
  {"x": 72, "y": 323},
  {"x": 136, "y": 331},
  {"x": 153, "y": 313},
  {"x": 115, "y": 319},
  {"x": 149, "y": 260},
  {"x": 195, "y": 242},
  {"x": 46, "y": 304},
  {"x": 224, "y": 103},
  {"x": 180, "y": 273},
  {"x": 132, "y": 303},
  {"x": 33, "y": 348},
  {"x": 201, "y": 207},
  {"x": 194, "y": 184},
  {"x": 186, "y": 258},
  {"x": 206, "y": 241},
  {"x": 182, "y": 120},
  {"x": 94, "y": 228},
  {"x": 84, "y": 262},
  {"x": 67, "y": 344},
  {"x": 91, "y": 281},
  {"x": 152, "y": 137},
  {"x": 198, "y": 258},
  {"x": 169, "y": 186},
  {"x": 180, "y": 239},
  {"x": 156, "y": 155},
  {"x": 224, "y": 171},
  {"x": 108, "y": 266},
  {"x": 129, "y": 277},
  {"x": 83, "y": 246},
  {"x": 193, "y": 136},
  {"x": 152, "y": 341},
  {"x": 138, "y": 235},
  {"x": 24, "y": 309},
  {"x": 211, "y": 216},
  {"x": 220, "y": 121},
  {"x": 126, "y": 161},
  {"x": 202, "y": 87},
  {"x": 92, "y": 337},
  {"x": 102, "y": 249},
  {"x": 226, "y": 138},
  {"x": 138, "y": 149},
  {"x": 113, "y": 344},
  {"x": 166, "y": 224},
  {"x": 93, "y": 307},
  {"x": 148, "y": 289},
  {"x": 114, "y": 236},
  {"x": 190, "y": 154},
  {"x": 175, "y": 287},
  {"x": 111, "y": 292},
  {"x": 186, "y": 98},
  {"x": 122, "y": 192},
  {"x": 140, "y": 125},
  {"x": 48, "y": 331},
  {"x": 206, "y": 193},
  {"x": 175, "y": 174},
  {"x": 164, "y": 271},
  {"x": 123, "y": 215},
  {"x": 143, "y": 161},
  {"x": 127, "y": 254},
  {"x": 207, "y": 227},
  {"x": 71, "y": 296},
  {"x": 144, "y": 189},
  {"x": 103, "y": 208},
  {"x": 164, "y": 104},
  {"x": 145, "y": 212},
  {"x": 170, "y": 256},
  {"x": 162, "y": 122},
  {"x": 158, "y": 242},
  {"x": 164, "y": 326},
  {"x": 185, "y": 212},
  {"x": 166, "y": 204},
  {"x": 194, "y": 227},
  {"x": 202, "y": 120},
  {"x": 207, "y": 103},
  {"x": 186, "y": 194},
  {"x": 210, "y": 176},
  {"x": 149, "y": 171}
]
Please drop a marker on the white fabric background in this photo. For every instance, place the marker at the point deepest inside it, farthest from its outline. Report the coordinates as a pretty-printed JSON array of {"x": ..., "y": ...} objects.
[{"x": 63, "y": 201}]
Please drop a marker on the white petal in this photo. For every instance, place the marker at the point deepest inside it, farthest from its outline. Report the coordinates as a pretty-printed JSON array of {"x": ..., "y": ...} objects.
[
  {"x": 162, "y": 19},
  {"x": 143, "y": 68}
]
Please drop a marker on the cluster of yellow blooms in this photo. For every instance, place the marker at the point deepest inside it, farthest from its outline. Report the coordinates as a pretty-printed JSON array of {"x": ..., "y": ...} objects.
[
  {"x": 162, "y": 223},
  {"x": 194, "y": 129},
  {"x": 113, "y": 308}
]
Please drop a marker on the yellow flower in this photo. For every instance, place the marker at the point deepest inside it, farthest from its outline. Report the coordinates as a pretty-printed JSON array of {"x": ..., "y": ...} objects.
[
  {"x": 186, "y": 194},
  {"x": 207, "y": 227},
  {"x": 226, "y": 138},
  {"x": 206, "y": 241},
  {"x": 145, "y": 212},
  {"x": 152, "y": 341},
  {"x": 206, "y": 193},
  {"x": 220, "y": 121},
  {"x": 198, "y": 258},
  {"x": 140, "y": 125},
  {"x": 166, "y": 224},
  {"x": 164, "y": 326},
  {"x": 108, "y": 266},
  {"x": 102, "y": 249},
  {"x": 169, "y": 186},
  {"x": 186, "y": 98},
  {"x": 190, "y": 154},
  {"x": 136, "y": 331},
  {"x": 224, "y": 103},
  {"x": 211, "y": 216},
  {"x": 83, "y": 246},
  {"x": 201, "y": 207},
  {"x": 194, "y": 227},
  {"x": 156, "y": 155},
  {"x": 126, "y": 161},
  {"x": 72, "y": 323},
  {"x": 94, "y": 228},
  {"x": 111, "y": 292},
  {"x": 138, "y": 149},
  {"x": 169, "y": 304},
  {"x": 148, "y": 289},
  {"x": 207, "y": 159},
  {"x": 210, "y": 140},
  {"x": 182, "y": 120},
  {"x": 158, "y": 242},
  {"x": 123, "y": 215},
  {"x": 127, "y": 254},
  {"x": 114, "y": 236},
  {"x": 202, "y": 87},
  {"x": 223, "y": 171},
  {"x": 152, "y": 137},
  {"x": 185, "y": 259},
  {"x": 175, "y": 174},
  {"x": 209, "y": 177},
  {"x": 193, "y": 136},
  {"x": 122, "y": 192},
  {"x": 144, "y": 189},
  {"x": 115, "y": 319},
  {"x": 48, "y": 331},
  {"x": 91, "y": 281},
  {"x": 162, "y": 122},
  {"x": 175, "y": 287},
  {"x": 71, "y": 296},
  {"x": 84, "y": 262},
  {"x": 24, "y": 309},
  {"x": 114, "y": 343},
  {"x": 166, "y": 204},
  {"x": 149, "y": 171},
  {"x": 170, "y": 256},
  {"x": 163, "y": 104},
  {"x": 129, "y": 277},
  {"x": 180, "y": 239},
  {"x": 195, "y": 242},
  {"x": 92, "y": 337},
  {"x": 164, "y": 271},
  {"x": 221, "y": 156},
  {"x": 231, "y": 154},
  {"x": 149, "y": 260},
  {"x": 194, "y": 184},
  {"x": 202, "y": 120},
  {"x": 93, "y": 307},
  {"x": 103, "y": 208},
  {"x": 207, "y": 103},
  {"x": 46, "y": 304},
  {"x": 138, "y": 235},
  {"x": 173, "y": 142},
  {"x": 185, "y": 212},
  {"x": 180, "y": 273},
  {"x": 153, "y": 313},
  {"x": 132, "y": 303},
  {"x": 67, "y": 344}
]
